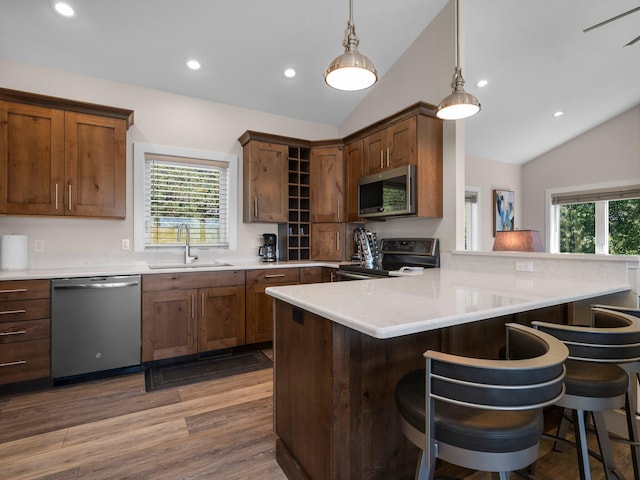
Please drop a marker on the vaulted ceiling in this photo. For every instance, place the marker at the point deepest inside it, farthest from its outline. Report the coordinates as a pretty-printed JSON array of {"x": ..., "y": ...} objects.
[{"x": 534, "y": 55}]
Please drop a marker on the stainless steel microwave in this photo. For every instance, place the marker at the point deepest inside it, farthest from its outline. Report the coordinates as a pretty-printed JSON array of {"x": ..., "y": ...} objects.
[{"x": 390, "y": 193}]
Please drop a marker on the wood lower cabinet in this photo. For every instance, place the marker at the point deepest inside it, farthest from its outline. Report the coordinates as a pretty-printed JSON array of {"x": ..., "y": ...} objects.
[
  {"x": 259, "y": 313},
  {"x": 328, "y": 241},
  {"x": 61, "y": 157},
  {"x": 25, "y": 332},
  {"x": 188, "y": 313}
]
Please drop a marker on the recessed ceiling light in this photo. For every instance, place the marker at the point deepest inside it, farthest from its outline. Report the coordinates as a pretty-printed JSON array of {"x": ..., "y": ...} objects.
[
  {"x": 64, "y": 9},
  {"x": 289, "y": 72},
  {"x": 193, "y": 64},
  {"x": 559, "y": 113},
  {"x": 482, "y": 83}
]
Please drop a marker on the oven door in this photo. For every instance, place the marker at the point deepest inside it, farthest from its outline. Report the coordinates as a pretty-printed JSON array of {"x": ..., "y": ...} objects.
[{"x": 344, "y": 276}]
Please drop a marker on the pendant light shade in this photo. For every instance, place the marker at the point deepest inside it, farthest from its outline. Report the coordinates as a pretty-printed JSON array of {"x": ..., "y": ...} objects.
[
  {"x": 459, "y": 104},
  {"x": 351, "y": 71}
]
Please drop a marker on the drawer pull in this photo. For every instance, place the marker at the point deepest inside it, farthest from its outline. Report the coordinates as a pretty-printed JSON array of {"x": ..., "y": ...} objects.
[
  {"x": 275, "y": 275},
  {"x": 17, "y": 290},
  {"x": 11, "y": 364},
  {"x": 6, "y": 334},
  {"x": 12, "y": 312}
]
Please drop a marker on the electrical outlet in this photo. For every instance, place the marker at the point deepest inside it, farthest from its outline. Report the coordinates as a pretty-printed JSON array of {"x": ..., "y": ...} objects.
[
  {"x": 524, "y": 266},
  {"x": 125, "y": 244},
  {"x": 38, "y": 246}
]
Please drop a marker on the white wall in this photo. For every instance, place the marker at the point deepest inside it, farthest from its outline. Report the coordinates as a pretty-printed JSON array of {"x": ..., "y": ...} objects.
[
  {"x": 607, "y": 154},
  {"x": 159, "y": 118},
  {"x": 487, "y": 175}
]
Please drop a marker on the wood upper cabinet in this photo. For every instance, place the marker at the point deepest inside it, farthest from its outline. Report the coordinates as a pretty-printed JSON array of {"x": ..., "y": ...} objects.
[
  {"x": 61, "y": 157},
  {"x": 392, "y": 147},
  {"x": 95, "y": 166},
  {"x": 353, "y": 170},
  {"x": 187, "y": 313},
  {"x": 327, "y": 185},
  {"x": 328, "y": 241},
  {"x": 265, "y": 167},
  {"x": 31, "y": 159}
]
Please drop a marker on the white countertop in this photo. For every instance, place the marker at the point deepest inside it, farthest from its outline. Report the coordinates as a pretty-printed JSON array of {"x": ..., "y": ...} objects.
[
  {"x": 395, "y": 306},
  {"x": 144, "y": 268}
]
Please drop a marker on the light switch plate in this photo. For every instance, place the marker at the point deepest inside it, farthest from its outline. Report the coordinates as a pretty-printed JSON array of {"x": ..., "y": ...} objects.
[
  {"x": 125, "y": 244},
  {"x": 524, "y": 266}
]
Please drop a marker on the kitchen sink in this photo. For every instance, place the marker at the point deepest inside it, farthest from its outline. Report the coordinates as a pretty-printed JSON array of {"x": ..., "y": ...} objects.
[{"x": 167, "y": 266}]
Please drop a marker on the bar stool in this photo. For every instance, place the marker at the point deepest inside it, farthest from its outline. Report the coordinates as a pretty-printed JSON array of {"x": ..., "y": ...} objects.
[
  {"x": 594, "y": 382},
  {"x": 631, "y": 400},
  {"x": 483, "y": 414}
]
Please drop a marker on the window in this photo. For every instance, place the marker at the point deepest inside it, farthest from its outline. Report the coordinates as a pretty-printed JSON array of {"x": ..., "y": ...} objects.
[
  {"x": 471, "y": 219},
  {"x": 605, "y": 221},
  {"x": 176, "y": 186}
]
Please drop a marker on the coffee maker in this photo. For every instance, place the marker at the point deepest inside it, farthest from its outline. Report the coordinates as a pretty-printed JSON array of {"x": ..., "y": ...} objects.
[{"x": 269, "y": 248}]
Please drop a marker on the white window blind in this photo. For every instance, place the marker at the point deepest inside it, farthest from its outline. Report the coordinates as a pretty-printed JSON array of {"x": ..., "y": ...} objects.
[
  {"x": 596, "y": 195},
  {"x": 186, "y": 190}
]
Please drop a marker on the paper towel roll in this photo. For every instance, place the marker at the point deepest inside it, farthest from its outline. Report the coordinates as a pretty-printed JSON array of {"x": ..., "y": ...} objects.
[{"x": 15, "y": 252}]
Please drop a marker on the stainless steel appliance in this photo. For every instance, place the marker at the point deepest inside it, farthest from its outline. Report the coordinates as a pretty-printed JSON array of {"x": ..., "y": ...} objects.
[
  {"x": 268, "y": 251},
  {"x": 95, "y": 324},
  {"x": 395, "y": 254},
  {"x": 390, "y": 193}
]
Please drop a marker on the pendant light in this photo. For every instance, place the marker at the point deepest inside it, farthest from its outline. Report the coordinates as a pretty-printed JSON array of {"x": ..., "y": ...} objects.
[
  {"x": 351, "y": 71},
  {"x": 459, "y": 104}
]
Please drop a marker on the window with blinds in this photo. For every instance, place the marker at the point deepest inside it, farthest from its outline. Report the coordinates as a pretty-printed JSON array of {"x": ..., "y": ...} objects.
[{"x": 186, "y": 191}]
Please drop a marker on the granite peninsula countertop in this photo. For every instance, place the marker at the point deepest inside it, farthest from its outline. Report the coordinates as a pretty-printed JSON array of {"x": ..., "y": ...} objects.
[{"x": 396, "y": 306}]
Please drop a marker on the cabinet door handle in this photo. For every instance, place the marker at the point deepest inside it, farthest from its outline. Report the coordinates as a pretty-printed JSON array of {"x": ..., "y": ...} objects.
[
  {"x": 16, "y": 290},
  {"x": 338, "y": 209},
  {"x": 10, "y": 364},
  {"x": 338, "y": 241},
  {"x": 202, "y": 304},
  {"x": 387, "y": 157},
  {"x": 255, "y": 207},
  {"x": 69, "y": 197},
  {"x": 193, "y": 306},
  {"x": 12, "y": 312},
  {"x": 275, "y": 275},
  {"x": 381, "y": 158},
  {"x": 56, "y": 196},
  {"x": 7, "y": 334}
]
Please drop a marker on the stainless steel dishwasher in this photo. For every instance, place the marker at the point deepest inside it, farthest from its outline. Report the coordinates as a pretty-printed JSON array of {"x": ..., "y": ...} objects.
[{"x": 95, "y": 324}]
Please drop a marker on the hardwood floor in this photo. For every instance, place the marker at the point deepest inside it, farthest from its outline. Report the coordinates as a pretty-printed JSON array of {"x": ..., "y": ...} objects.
[{"x": 222, "y": 429}]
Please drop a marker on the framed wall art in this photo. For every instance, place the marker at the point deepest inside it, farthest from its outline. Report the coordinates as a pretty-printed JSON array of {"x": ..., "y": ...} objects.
[{"x": 503, "y": 210}]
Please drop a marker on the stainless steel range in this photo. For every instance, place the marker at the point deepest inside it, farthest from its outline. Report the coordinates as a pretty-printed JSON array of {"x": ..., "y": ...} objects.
[{"x": 396, "y": 253}]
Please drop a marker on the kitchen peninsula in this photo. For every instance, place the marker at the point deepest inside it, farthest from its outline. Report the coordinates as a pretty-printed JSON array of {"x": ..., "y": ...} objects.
[{"x": 340, "y": 349}]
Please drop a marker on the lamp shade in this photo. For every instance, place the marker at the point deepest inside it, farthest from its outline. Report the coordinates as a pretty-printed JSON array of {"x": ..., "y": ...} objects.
[
  {"x": 458, "y": 105},
  {"x": 351, "y": 71},
  {"x": 518, "y": 241}
]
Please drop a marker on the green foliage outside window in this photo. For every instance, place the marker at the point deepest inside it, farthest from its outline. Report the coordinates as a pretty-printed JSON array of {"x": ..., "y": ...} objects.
[{"x": 624, "y": 227}]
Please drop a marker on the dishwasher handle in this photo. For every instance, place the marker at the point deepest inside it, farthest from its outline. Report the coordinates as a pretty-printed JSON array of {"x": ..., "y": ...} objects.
[{"x": 80, "y": 286}]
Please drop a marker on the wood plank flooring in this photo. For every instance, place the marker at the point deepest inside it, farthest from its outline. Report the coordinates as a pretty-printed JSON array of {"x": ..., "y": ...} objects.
[{"x": 222, "y": 429}]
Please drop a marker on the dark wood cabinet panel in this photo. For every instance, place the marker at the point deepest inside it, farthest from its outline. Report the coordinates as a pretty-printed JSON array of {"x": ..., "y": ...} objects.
[
  {"x": 95, "y": 166},
  {"x": 169, "y": 324},
  {"x": 25, "y": 330},
  {"x": 222, "y": 313},
  {"x": 62, "y": 157},
  {"x": 31, "y": 159},
  {"x": 265, "y": 182},
  {"x": 353, "y": 171},
  {"x": 328, "y": 241},
  {"x": 327, "y": 185}
]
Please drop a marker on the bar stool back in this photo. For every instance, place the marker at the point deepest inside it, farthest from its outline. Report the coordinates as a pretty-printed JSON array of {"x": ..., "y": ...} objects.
[
  {"x": 483, "y": 414},
  {"x": 633, "y": 370},
  {"x": 595, "y": 383}
]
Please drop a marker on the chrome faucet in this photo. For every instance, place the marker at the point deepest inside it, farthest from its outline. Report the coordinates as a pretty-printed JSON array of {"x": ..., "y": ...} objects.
[{"x": 188, "y": 258}]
